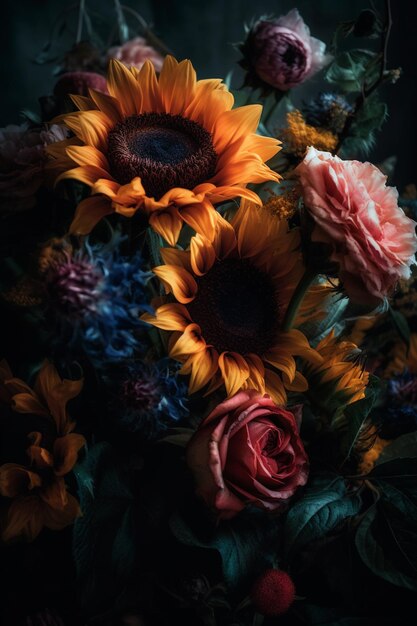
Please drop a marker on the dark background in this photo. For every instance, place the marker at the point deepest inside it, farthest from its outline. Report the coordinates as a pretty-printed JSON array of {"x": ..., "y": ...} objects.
[{"x": 204, "y": 32}]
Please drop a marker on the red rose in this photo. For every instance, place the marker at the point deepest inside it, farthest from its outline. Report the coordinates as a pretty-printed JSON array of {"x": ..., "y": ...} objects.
[{"x": 247, "y": 451}]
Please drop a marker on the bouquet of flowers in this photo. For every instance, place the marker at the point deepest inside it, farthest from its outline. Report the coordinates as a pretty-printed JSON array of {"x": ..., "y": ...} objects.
[{"x": 209, "y": 384}]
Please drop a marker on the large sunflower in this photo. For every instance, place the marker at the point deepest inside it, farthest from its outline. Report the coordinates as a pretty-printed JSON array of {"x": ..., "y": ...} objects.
[
  {"x": 171, "y": 148},
  {"x": 231, "y": 295}
]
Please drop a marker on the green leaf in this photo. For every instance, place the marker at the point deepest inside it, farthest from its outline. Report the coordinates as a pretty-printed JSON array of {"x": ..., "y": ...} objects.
[
  {"x": 104, "y": 545},
  {"x": 178, "y": 437},
  {"x": 403, "y": 447},
  {"x": 396, "y": 498},
  {"x": 355, "y": 414},
  {"x": 401, "y": 325},
  {"x": 385, "y": 559},
  {"x": 245, "y": 544},
  {"x": 349, "y": 70},
  {"x": 318, "y": 513}
]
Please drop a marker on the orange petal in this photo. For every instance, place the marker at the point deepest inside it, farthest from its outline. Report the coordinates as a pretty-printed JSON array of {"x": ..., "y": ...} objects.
[
  {"x": 256, "y": 378},
  {"x": 57, "y": 519},
  {"x": 57, "y": 393},
  {"x": 177, "y": 280},
  {"x": 109, "y": 105},
  {"x": 28, "y": 403},
  {"x": 24, "y": 518},
  {"x": 16, "y": 480},
  {"x": 66, "y": 452},
  {"x": 299, "y": 383},
  {"x": 233, "y": 126},
  {"x": 203, "y": 255},
  {"x": 282, "y": 361},
  {"x": 88, "y": 155},
  {"x": 176, "y": 85},
  {"x": 209, "y": 103},
  {"x": 275, "y": 388},
  {"x": 174, "y": 256},
  {"x": 167, "y": 224},
  {"x": 83, "y": 103},
  {"x": 40, "y": 457},
  {"x": 87, "y": 174},
  {"x": 55, "y": 494},
  {"x": 201, "y": 217},
  {"x": 188, "y": 343},
  {"x": 225, "y": 238},
  {"x": 149, "y": 86},
  {"x": 89, "y": 212},
  {"x": 124, "y": 87},
  {"x": 234, "y": 370},
  {"x": 202, "y": 366},
  {"x": 92, "y": 127},
  {"x": 171, "y": 316}
]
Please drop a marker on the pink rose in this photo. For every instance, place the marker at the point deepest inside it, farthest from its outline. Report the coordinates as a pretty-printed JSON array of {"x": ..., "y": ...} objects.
[
  {"x": 282, "y": 53},
  {"x": 373, "y": 241},
  {"x": 135, "y": 52},
  {"x": 247, "y": 451},
  {"x": 22, "y": 163}
]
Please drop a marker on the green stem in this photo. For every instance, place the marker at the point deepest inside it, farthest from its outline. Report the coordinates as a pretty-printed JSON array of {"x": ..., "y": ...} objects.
[{"x": 297, "y": 298}]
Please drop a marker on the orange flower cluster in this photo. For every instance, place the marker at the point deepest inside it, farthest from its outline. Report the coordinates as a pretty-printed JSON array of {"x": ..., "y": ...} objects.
[
  {"x": 298, "y": 136},
  {"x": 37, "y": 490}
]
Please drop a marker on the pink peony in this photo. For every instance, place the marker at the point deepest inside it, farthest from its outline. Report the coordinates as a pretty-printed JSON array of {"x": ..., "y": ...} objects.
[
  {"x": 22, "y": 161},
  {"x": 374, "y": 242},
  {"x": 135, "y": 52},
  {"x": 282, "y": 53},
  {"x": 247, "y": 451}
]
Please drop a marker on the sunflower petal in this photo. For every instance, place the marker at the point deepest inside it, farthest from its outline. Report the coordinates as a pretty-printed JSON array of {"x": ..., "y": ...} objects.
[
  {"x": 201, "y": 217},
  {"x": 89, "y": 212},
  {"x": 203, "y": 255},
  {"x": 188, "y": 343},
  {"x": 178, "y": 281},
  {"x": 168, "y": 224},
  {"x": 172, "y": 316},
  {"x": 234, "y": 370},
  {"x": 124, "y": 87},
  {"x": 202, "y": 366}
]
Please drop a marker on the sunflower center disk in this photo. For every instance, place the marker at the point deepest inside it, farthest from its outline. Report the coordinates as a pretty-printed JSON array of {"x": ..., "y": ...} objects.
[
  {"x": 164, "y": 150},
  {"x": 236, "y": 307}
]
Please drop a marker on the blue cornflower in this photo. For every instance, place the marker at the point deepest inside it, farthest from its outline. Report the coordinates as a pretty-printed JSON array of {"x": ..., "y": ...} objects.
[
  {"x": 327, "y": 110},
  {"x": 95, "y": 297},
  {"x": 399, "y": 415},
  {"x": 146, "y": 398}
]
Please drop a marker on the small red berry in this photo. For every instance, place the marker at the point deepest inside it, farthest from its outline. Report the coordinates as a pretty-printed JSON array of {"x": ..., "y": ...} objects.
[{"x": 273, "y": 592}]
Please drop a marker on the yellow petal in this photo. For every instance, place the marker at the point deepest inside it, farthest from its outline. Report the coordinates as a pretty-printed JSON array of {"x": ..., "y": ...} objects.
[
  {"x": 170, "y": 316},
  {"x": 89, "y": 212},
  {"x": 176, "y": 85},
  {"x": 234, "y": 370},
  {"x": 188, "y": 343},
  {"x": 201, "y": 217},
  {"x": 201, "y": 366},
  {"x": 203, "y": 255},
  {"x": 177, "y": 280},
  {"x": 109, "y": 105},
  {"x": 124, "y": 87},
  {"x": 150, "y": 89},
  {"x": 167, "y": 224},
  {"x": 88, "y": 155}
]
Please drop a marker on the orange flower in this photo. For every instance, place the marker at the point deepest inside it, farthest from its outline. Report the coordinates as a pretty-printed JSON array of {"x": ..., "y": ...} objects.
[
  {"x": 38, "y": 491},
  {"x": 230, "y": 299},
  {"x": 170, "y": 148}
]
